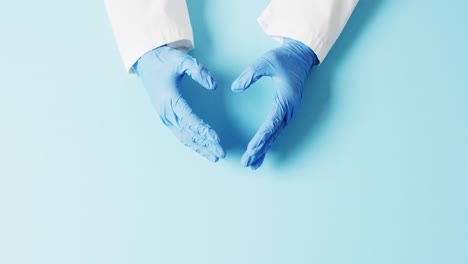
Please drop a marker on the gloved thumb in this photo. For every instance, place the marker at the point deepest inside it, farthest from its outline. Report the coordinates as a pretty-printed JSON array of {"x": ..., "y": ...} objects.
[
  {"x": 198, "y": 73},
  {"x": 250, "y": 75}
]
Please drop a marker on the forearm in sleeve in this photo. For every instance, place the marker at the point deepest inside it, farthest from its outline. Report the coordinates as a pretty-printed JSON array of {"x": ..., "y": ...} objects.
[
  {"x": 142, "y": 25},
  {"x": 316, "y": 23}
]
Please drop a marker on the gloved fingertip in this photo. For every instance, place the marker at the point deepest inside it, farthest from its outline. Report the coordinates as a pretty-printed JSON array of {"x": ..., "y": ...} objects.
[
  {"x": 212, "y": 83},
  {"x": 201, "y": 75},
  {"x": 258, "y": 163},
  {"x": 236, "y": 87},
  {"x": 212, "y": 158},
  {"x": 223, "y": 154},
  {"x": 240, "y": 84},
  {"x": 246, "y": 160},
  {"x": 220, "y": 152},
  {"x": 214, "y": 86}
]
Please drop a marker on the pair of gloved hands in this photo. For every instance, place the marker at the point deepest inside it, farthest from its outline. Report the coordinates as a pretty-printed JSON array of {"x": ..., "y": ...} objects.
[{"x": 163, "y": 68}]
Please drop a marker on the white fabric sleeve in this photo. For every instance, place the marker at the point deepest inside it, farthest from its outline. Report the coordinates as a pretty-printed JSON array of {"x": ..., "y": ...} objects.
[
  {"x": 316, "y": 23},
  {"x": 142, "y": 25}
]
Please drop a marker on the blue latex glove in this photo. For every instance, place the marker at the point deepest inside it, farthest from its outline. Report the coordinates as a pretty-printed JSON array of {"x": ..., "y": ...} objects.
[
  {"x": 161, "y": 71},
  {"x": 288, "y": 66}
]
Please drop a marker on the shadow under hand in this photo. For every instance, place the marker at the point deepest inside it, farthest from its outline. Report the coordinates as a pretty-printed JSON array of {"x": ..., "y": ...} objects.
[
  {"x": 211, "y": 106},
  {"x": 317, "y": 98}
]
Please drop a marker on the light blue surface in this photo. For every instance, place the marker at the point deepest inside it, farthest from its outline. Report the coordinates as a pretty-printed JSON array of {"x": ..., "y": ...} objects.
[{"x": 373, "y": 169}]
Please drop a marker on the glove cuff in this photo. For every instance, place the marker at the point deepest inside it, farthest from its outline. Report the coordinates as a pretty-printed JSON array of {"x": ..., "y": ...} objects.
[{"x": 302, "y": 50}]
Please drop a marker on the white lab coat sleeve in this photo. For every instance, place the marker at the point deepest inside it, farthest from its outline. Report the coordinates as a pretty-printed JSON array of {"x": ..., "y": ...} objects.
[
  {"x": 316, "y": 23},
  {"x": 142, "y": 25}
]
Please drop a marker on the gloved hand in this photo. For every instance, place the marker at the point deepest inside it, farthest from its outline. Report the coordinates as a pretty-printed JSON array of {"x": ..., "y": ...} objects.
[
  {"x": 288, "y": 66},
  {"x": 161, "y": 71}
]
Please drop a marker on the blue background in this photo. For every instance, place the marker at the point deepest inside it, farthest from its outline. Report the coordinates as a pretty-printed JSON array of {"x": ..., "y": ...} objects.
[{"x": 373, "y": 169}]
